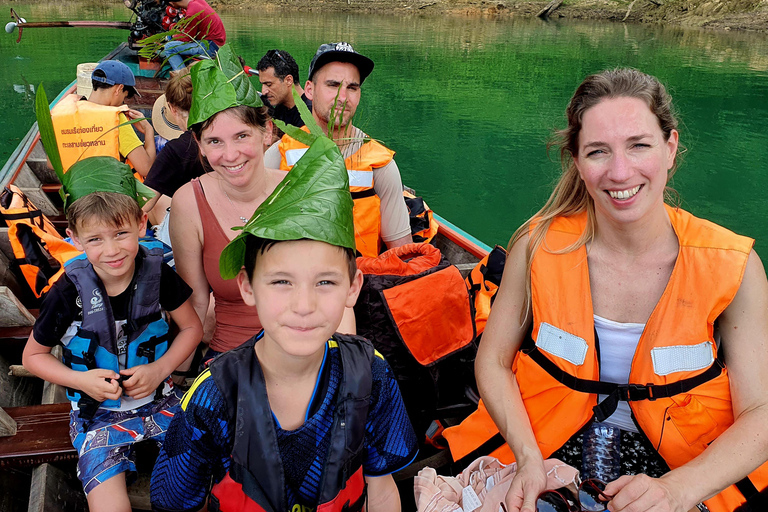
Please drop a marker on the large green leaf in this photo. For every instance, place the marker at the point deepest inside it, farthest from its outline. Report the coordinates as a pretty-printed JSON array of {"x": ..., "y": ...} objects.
[
  {"x": 102, "y": 174},
  {"x": 312, "y": 201},
  {"x": 220, "y": 84},
  {"x": 47, "y": 133}
]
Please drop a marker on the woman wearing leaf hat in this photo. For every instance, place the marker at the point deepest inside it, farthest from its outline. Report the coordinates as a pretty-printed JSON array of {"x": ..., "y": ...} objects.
[{"x": 230, "y": 123}]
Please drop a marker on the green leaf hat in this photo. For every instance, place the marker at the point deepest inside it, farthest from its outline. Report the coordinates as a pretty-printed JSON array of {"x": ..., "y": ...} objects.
[
  {"x": 218, "y": 84},
  {"x": 312, "y": 202},
  {"x": 102, "y": 174},
  {"x": 92, "y": 174}
]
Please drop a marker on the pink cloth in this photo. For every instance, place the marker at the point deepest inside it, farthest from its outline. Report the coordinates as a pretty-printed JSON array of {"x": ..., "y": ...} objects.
[{"x": 481, "y": 487}]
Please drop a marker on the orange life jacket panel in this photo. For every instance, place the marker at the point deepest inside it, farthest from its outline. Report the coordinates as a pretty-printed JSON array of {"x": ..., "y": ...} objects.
[
  {"x": 483, "y": 284},
  {"x": 360, "y": 166},
  {"x": 84, "y": 129},
  {"x": 424, "y": 227},
  {"x": 39, "y": 249},
  {"x": 679, "y": 391},
  {"x": 415, "y": 309}
]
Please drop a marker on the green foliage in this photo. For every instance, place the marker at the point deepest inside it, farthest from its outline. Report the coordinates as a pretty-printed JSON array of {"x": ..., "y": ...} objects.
[
  {"x": 219, "y": 84},
  {"x": 47, "y": 134},
  {"x": 312, "y": 201},
  {"x": 151, "y": 46},
  {"x": 102, "y": 174}
]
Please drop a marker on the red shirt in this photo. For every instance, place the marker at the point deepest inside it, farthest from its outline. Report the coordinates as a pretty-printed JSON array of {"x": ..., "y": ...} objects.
[{"x": 207, "y": 25}]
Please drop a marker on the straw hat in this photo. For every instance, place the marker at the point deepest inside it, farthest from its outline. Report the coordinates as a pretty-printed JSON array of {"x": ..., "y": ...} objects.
[{"x": 162, "y": 122}]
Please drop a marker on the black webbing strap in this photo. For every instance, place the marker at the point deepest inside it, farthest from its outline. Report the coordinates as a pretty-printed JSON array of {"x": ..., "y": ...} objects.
[
  {"x": 486, "y": 448},
  {"x": 363, "y": 194},
  {"x": 21, "y": 216},
  {"x": 622, "y": 392},
  {"x": 147, "y": 348},
  {"x": 756, "y": 500}
]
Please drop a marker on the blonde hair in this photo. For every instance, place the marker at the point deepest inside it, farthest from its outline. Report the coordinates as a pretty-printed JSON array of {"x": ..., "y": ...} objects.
[
  {"x": 178, "y": 92},
  {"x": 570, "y": 196}
]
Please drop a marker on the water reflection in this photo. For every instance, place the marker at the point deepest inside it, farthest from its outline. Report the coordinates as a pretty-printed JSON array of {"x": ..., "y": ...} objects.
[{"x": 468, "y": 104}]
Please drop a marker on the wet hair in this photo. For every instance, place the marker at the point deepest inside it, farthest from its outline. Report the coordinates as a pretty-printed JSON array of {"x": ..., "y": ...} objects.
[
  {"x": 255, "y": 246},
  {"x": 256, "y": 117},
  {"x": 570, "y": 196},
  {"x": 108, "y": 207},
  {"x": 178, "y": 92},
  {"x": 283, "y": 63}
]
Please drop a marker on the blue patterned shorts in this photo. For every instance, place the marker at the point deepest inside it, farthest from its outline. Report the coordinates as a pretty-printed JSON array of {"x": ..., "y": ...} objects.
[{"x": 105, "y": 449}]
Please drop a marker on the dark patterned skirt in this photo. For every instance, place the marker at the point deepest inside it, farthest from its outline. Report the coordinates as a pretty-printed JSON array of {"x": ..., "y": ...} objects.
[{"x": 637, "y": 455}]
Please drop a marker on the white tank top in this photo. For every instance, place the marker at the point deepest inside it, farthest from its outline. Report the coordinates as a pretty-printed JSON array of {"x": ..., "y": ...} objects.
[{"x": 618, "y": 342}]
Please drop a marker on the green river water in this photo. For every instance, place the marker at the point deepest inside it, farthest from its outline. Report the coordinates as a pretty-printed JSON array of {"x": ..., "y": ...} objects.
[{"x": 468, "y": 104}]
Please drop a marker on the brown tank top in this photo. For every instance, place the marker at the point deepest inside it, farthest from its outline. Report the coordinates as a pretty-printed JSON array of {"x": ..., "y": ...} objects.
[{"x": 236, "y": 322}]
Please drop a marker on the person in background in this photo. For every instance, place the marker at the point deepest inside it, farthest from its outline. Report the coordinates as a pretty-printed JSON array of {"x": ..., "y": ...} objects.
[
  {"x": 107, "y": 312},
  {"x": 206, "y": 34},
  {"x": 179, "y": 161},
  {"x": 677, "y": 303},
  {"x": 86, "y": 128},
  {"x": 336, "y": 76},
  {"x": 279, "y": 77}
]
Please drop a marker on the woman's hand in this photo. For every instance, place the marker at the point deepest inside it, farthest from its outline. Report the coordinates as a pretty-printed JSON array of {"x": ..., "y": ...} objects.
[
  {"x": 641, "y": 493},
  {"x": 529, "y": 481}
]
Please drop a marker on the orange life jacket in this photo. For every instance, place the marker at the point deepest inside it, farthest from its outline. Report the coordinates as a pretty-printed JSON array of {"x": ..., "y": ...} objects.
[
  {"x": 679, "y": 392},
  {"x": 39, "y": 249},
  {"x": 483, "y": 284},
  {"x": 85, "y": 128},
  {"x": 415, "y": 309},
  {"x": 360, "y": 166},
  {"x": 424, "y": 227}
]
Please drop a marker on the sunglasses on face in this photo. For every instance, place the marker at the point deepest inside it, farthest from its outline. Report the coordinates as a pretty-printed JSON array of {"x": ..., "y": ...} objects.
[{"x": 591, "y": 498}]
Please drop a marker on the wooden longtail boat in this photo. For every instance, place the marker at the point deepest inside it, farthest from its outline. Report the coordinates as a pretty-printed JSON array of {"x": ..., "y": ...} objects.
[{"x": 37, "y": 461}]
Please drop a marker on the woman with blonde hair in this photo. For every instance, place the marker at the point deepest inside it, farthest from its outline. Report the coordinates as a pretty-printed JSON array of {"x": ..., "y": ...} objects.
[{"x": 620, "y": 314}]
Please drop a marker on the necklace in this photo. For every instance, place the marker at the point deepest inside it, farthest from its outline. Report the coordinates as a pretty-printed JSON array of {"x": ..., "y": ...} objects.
[{"x": 243, "y": 219}]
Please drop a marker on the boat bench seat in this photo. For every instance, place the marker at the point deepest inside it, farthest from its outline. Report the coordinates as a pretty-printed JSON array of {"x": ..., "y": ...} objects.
[{"x": 42, "y": 436}]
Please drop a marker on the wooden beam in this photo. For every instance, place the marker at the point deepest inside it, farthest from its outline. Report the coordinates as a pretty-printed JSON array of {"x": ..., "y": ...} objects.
[
  {"x": 12, "y": 311},
  {"x": 54, "y": 489},
  {"x": 8, "y": 426}
]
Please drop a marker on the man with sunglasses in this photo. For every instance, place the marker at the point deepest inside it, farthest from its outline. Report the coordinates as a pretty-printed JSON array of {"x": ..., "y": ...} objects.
[
  {"x": 86, "y": 127},
  {"x": 279, "y": 77}
]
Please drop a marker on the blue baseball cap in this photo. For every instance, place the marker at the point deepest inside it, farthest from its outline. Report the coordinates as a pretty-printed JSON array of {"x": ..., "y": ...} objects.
[{"x": 115, "y": 72}]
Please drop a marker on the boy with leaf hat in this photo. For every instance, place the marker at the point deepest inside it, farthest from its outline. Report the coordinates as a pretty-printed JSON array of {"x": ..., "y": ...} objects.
[
  {"x": 107, "y": 312},
  {"x": 299, "y": 418}
]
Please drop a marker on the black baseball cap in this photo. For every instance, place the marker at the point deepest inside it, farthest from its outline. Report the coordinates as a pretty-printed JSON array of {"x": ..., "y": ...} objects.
[{"x": 340, "y": 52}]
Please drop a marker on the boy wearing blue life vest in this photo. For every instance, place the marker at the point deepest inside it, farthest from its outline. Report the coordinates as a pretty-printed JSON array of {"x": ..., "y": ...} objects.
[
  {"x": 299, "y": 418},
  {"x": 107, "y": 310}
]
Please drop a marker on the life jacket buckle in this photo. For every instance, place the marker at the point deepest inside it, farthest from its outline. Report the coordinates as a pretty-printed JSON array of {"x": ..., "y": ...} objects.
[
  {"x": 636, "y": 392},
  {"x": 90, "y": 360}
]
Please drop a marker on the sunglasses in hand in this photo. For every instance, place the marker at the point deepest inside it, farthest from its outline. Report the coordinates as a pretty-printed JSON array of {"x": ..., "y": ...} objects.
[{"x": 591, "y": 498}]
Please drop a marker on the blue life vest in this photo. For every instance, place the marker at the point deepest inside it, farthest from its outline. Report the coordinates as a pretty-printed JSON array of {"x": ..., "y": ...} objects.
[{"x": 95, "y": 344}]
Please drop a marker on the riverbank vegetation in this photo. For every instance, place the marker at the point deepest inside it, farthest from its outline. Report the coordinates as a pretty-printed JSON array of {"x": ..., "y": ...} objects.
[{"x": 716, "y": 14}]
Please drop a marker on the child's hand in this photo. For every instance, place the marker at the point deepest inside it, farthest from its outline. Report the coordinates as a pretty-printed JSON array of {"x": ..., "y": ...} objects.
[
  {"x": 144, "y": 380},
  {"x": 100, "y": 384}
]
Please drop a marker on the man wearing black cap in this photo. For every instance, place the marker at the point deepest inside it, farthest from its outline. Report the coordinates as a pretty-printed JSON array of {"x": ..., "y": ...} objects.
[
  {"x": 336, "y": 75},
  {"x": 85, "y": 128}
]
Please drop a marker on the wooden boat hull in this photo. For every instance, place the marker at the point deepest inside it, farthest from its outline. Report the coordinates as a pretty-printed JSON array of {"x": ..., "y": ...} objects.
[{"x": 48, "y": 472}]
